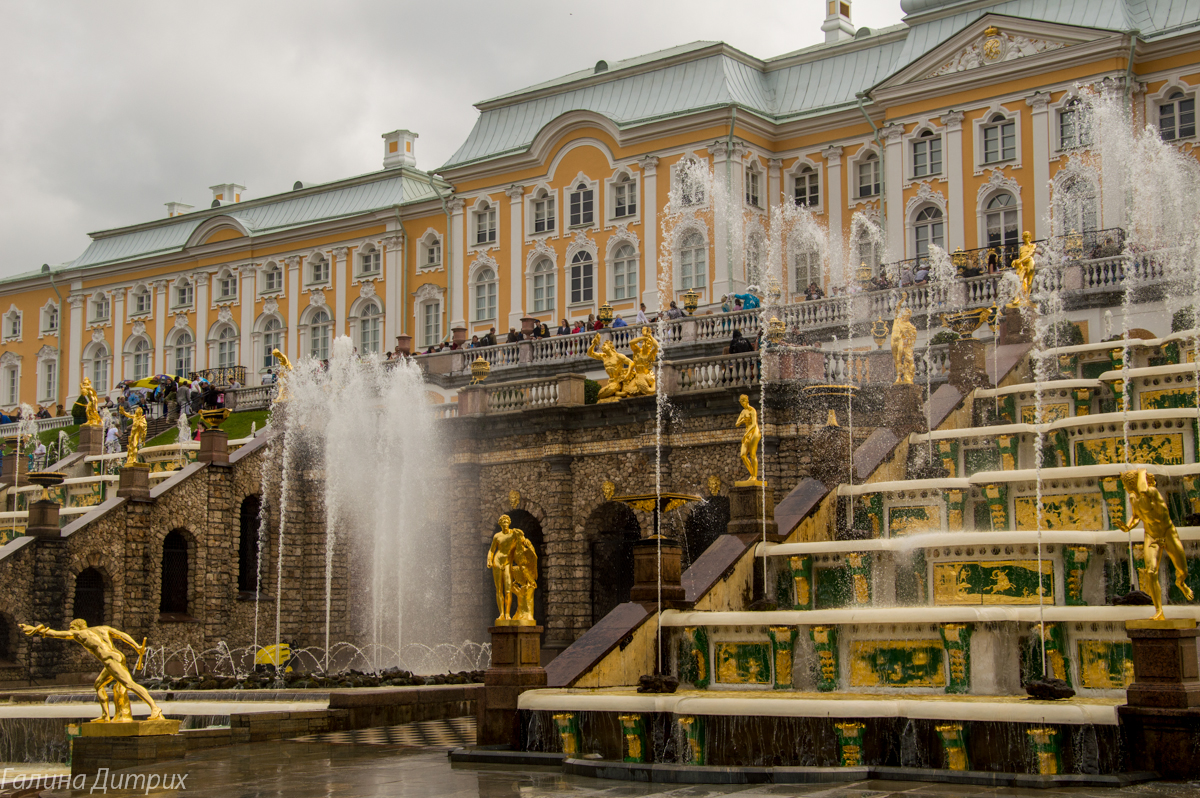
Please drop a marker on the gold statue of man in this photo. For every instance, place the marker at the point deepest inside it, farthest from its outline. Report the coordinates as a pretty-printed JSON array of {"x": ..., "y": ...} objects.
[
  {"x": 137, "y": 435},
  {"x": 616, "y": 365},
  {"x": 749, "y": 452},
  {"x": 281, "y": 395},
  {"x": 524, "y": 577},
  {"x": 904, "y": 339},
  {"x": 98, "y": 640},
  {"x": 499, "y": 559},
  {"x": 91, "y": 403},
  {"x": 639, "y": 377},
  {"x": 1150, "y": 509},
  {"x": 1025, "y": 270}
]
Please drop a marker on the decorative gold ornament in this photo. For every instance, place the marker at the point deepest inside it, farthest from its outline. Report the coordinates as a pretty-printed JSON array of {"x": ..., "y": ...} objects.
[
  {"x": 607, "y": 490},
  {"x": 714, "y": 485},
  {"x": 137, "y": 435},
  {"x": 626, "y": 376},
  {"x": 961, "y": 260},
  {"x": 993, "y": 45},
  {"x": 1074, "y": 249},
  {"x": 1150, "y": 509},
  {"x": 1025, "y": 267},
  {"x": 480, "y": 369},
  {"x": 666, "y": 502},
  {"x": 993, "y": 318},
  {"x": 864, "y": 272},
  {"x": 91, "y": 403},
  {"x": 514, "y": 499},
  {"x": 46, "y": 480},
  {"x": 748, "y": 418},
  {"x": 514, "y": 571},
  {"x": 282, "y": 377},
  {"x": 691, "y": 301},
  {"x": 831, "y": 419},
  {"x": 904, "y": 339},
  {"x": 605, "y": 314},
  {"x": 776, "y": 329},
  {"x": 98, "y": 640},
  {"x": 965, "y": 322},
  {"x": 879, "y": 331}
]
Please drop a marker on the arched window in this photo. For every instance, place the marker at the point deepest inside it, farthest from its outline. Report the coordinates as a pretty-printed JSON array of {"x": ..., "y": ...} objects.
[
  {"x": 320, "y": 328},
  {"x": 184, "y": 294},
  {"x": 227, "y": 347},
  {"x": 1000, "y": 220},
  {"x": 693, "y": 262},
  {"x": 485, "y": 295},
  {"x": 369, "y": 260},
  {"x": 140, "y": 301},
  {"x": 272, "y": 279},
  {"x": 927, "y": 155},
  {"x": 624, "y": 196},
  {"x": 370, "y": 328},
  {"x": 582, "y": 205},
  {"x": 89, "y": 597},
  {"x": 868, "y": 176},
  {"x": 1177, "y": 117},
  {"x": 543, "y": 286},
  {"x": 96, "y": 366},
  {"x": 582, "y": 278},
  {"x": 175, "y": 577},
  {"x": 248, "y": 544},
  {"x": 806, "y": 188},
  {"x": 807, "y": 263},
  {"x": 272, "y": 339},
  {"x": 999, "y": 140},
  {"x": 929, "y": 229},
  {"x": 625, "y": 273},
  {"x": 141, "y": 359},
  {"x": 431, "y": 322},
  {"x": 183, "y": 353},
  {"x": 318, "y": 270}
]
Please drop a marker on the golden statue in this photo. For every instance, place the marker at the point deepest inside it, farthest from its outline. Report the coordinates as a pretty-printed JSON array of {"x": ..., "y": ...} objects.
[
  {"x": 639, "y": 377},
  {"x": 514, "y": 571},
  {"x": 98, "y": 640},
  {"x": 616, "y": 365},
  {"x": 904, "y": 339},
  {"x": 1150, "y": 509},
  {"x": 280, "y": 379},
  {"x": 137, "y": 435},
  {"x": 749, "y": 452},
  {"x": 91, "y": 403},
  {"x": 1025, "y": 269}
]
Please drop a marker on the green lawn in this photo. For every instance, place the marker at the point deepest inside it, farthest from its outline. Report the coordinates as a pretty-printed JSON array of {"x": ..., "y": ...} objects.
[{"x": 237, "y": 426}]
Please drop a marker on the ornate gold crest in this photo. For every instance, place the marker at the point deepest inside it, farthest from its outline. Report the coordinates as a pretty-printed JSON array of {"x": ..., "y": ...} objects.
[
  {"x": 993, "y": 45},
  {"x": 514, "y": 499},
  {"x": 714, "y": 484},
  {"x": 608, "y": 489}
]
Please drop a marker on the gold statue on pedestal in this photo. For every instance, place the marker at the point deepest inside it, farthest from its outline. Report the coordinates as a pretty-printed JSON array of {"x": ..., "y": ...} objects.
[
  {"x": 137, "y": 435},
  {"x": 749, "y": 452},
  {"x": 616, "y": 365},
  {"x": 1150, "y": 509},
  {"x": 514, "y": 571},
  {"x": 98, "y": 640},
  {"x": 91, "y": 403},
  {"x": 904, "y": 340},
  {"x": 280, "y": 379},
  {"x": 1025, "y": 267}
]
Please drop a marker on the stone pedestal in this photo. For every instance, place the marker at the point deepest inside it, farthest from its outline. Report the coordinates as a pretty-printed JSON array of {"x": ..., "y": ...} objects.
[
  {"x": 968, "y": 365},
  {"x": 528, "y": 323},
  {"x": 91, "y": 440},
  {"x": 472, "y": 400},
  {"x": 403, "y": 344},
  {"x": 43, "y": 520},
  {"x": 1016, "y": 327},
  {"x": 516, "y": 658},
  {"x": 746, "y": 513},
  {"x": 134, "y": 728},
  {"x": 458, "y": 335},
  {"x": 645, "y": 573},
  {"x": 214, "y": 447},
  {"x": 1162, "y": 719},
  {"x": 91, "y": 754},
  {"x": 902, "y": 410},
  {"x": 14, "y": 468},
  {"x": 134, "y": 482}
]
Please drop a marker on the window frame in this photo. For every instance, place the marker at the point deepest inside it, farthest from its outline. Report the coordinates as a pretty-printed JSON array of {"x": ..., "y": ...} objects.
[
  {"x": 226, "y": 347},
  {"x": 486, "y": 213},
  {"x": 1175, "y": 97},
  {"x": 543, "y": 200},
  {"x": 548, "y": 278},
  {"x": 272, "y": 338},
  {"x": 13, "y": 325},
  {"x": 987, "y": 211},
  {"x": 692, "y": 241},
  {"x": 928, "y": 224},
  {"x": 179, "y": 348},
  {"x": 48, "y": 379},
  {"x": 871, "y": 159},
  {"x": 96, "y": 302},
  {"x": 997, "y": 122},
  {"x": 624, "y": 182},
  {"x": 581, "y": 195},
  {"x": 184, "y": 284},
  {"x": 753, "y": 186},
  {"x": 272, "y": 270},
  {"x": 137, "y": 295},
  {"x": 926, "y": 140},
  {"x": 320, "y": 327},
  {"x": 49, "y": 313},
  {"x": 372, "y": 254},
  {"x": 141, "y": 359},
  {"x": 487, "y": 279},
  {"x": 227, "y": 286},
  {"x": 312, "y": 264},
  {"x": 425, "y": 316},
  {"x": 581, "y": 277},
  {"x": 370, "y": 321},
  {"x": 811, "y": 176},
  {"x": 1074, "y": 109},
  {"x": 626, "y": 264}
]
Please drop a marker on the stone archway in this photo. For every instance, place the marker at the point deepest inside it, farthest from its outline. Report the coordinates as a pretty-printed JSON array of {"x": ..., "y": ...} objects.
[
  {"x": 612, "y": 530},
  {"x": 703, "y": 525}
]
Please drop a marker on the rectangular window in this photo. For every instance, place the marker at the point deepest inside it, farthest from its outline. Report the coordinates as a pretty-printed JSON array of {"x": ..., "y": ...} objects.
[
  {"x": 625, "y": 199},
  {"x": 100, "y": 309},
  {"x": 1177, "y": 119},
  {"x": 369, "y": 336},
  {"x": 752, "y": 188},
  {"x": 183, "y": 360},
  {"x": 10, "y": 386},
  {"x": 100, "y": 375},
  {"x": 50, "y": 379},
  {"x": 141, "y": 365},
  {"x": 625, "y": 278},
  {"x": 227, "y": 287},
  {"x": 485, "y": 226},
  {"x": 51, "y": 319},
  {"x": 543, "y": 215},
  {"x": 271, "y": 340},
  {"x": 485, "y": 301},
  {"x": 431, "y": 322},
  {"x": 14, "y": 326},
  {"x": 806, "y": 191},
  {"x": 581, "y": 282},
  {"x": 1073, "y": 130},
  {"x": 183, "y": 295},
  {"x": 868, "y": 178},
  {"x": 543, "y": 292},
  {"x": 274, "y": 280},
  {"x": 320, "y": 271},
  {"x": 1000, "y": 142},
  {"x": 927, "y": 157},
  {"x": 369, "y": 262},
  {"x": 581, "y": 207},
  {"x": 433, "y": 254}
]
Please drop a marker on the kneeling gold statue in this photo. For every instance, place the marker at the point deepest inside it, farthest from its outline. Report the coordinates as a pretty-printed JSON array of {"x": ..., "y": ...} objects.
[
  {"x": 1150, "y": 509},
  {"x": 98, "y": 640}
]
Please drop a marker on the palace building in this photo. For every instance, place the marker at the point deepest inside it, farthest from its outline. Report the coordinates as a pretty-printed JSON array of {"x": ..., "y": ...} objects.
[{"x": 955, "y": 127}]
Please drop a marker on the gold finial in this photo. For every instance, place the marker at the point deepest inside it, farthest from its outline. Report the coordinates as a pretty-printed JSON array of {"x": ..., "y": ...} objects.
[
  {"x": 714, "y": 484},
  {"x": 607, "y": 490},
  {"x": 992, "y": 30},
  {"x": 514, "y": 499},
  {"x": 831, "y": 420}
]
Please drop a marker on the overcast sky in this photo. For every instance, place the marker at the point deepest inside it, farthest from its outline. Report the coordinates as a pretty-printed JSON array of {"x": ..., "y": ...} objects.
[{"x": 109, "y": 109}]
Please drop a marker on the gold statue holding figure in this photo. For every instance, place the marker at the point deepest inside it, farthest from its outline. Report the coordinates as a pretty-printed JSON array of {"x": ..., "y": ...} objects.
[
  {"x": 280, "y": 379},
  {"x": 639, "y": 378},
  {"x": 137, "y": 435},
  {"x": 749, "y": 452},
  {"x": 1025, "y": 267},
  {"x": 1150, "y": 509},
  {"x": 514, "y": 571},
  {"x": 616, "y": 365},
  {"x": 91, "y": 403},
  {"x": 904, "y": 339},
  {"x": 98, "y": 640}
]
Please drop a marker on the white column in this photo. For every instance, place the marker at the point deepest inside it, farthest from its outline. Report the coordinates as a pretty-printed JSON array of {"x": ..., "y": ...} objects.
[
  {"x": 118, "y": 311},
  {"x": 775, "y": 183},
  {"x": 833, "y": 206},
  {"x": 516, "y": 271},
  {"x": 340, "y": 287},
  {"x": 201, "y": 280},
  {"x": 246, "y": 293},
  {"x": 292, "y": 265},
  {"x": 956, "y": 234},
  {"x": 456, "y": 275},
  {"x": 649, "y": 276},
  {"x": 1041, "y": 166},
  {"x": 893, "y": 201},
  {"x": 75, "y": 352},
  {"x": 160, "y": 326},
  {"x": 393, "y": 314}
]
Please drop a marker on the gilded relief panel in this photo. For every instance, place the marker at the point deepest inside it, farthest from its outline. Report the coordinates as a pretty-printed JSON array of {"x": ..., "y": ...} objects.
[
  {"x": 1050, "y": 413},
  {"x": 1160, "y": 449},
  {"x": 743, "y": 663},
  {"x": 1105, "y": 664},
  {"x": 1069, "y": 511},
  {"x": 897, "y": 663},
  {"x": 992, "y": 582},
  {"x": 907, "y": 520}
]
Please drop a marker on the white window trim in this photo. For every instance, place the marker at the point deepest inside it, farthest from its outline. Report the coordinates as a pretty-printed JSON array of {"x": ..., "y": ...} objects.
[
  {"x": 262, "y": 279},
  {"x": 1055, "y": 110},
  {"x": 610, "y": 196},
  {"x": 129, "y": 352},
  {"x": 8, "y": 338},
  {"x": 309, "y": 261},
  {"x": 304, "y": 338},
  {"x": 214, "y": 339},
  {"x": 598, "y": 205},
  {"x": 472, "y": 227},
  {"x": 536, "y": 255},
  {"x": 852, "y": 164},
  {"x": 92, "y": 319},
  {"x": 425, "y": 294},
  {"x": 681, "y": 232},
  {"x": 997, "y": 184},
  {"x": 232, "y": 299},
  {"x": 43, "y": 330},
  {"x": 88, "y": 362},
  {"x": 131, "y": 301},
  {"x": 910, "y": 232},
  {"x": 478, "y": 266},
  {"x": 1074, "y": 170},
  {"x": 354, "y": 321},
  {"x": 174, "y": 294},
  {"x": 754, "y": 167},
  {"x": 10, "y": 365},
  {"x": 357, "y": 254},
  {"x": 430, "y": 236},
  {"x": 45, "y": 358},
  {"x": 910, "y": 166},
  {"x": 794, "y": 173},
  {"x": 530, "y": 216},
  {"x": 985, "y": 120},
  {"x": 614, "y": 243},
  {"x": 799, "y": 290},
  {"x": 1154, "y": 101},
  {"x": 257, "y": 337},
  {"x": 677, "y": 167},
  {"x": 170, "y": 353}
]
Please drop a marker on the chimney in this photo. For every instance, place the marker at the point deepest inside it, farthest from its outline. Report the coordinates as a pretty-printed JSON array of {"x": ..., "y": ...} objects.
[
  {"x": 177, "y": 208},
  {"x": 226, "y": 193},
  {"x": 837, "y": 25},
  {"x": 398, "y": 149}
]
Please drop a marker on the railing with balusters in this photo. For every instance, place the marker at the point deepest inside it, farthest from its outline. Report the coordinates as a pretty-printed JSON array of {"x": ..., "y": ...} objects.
[
  {"x": 847, "y": 367},
  {"x": 724, "y": 371},
  {"x": 523, "y": 395}
]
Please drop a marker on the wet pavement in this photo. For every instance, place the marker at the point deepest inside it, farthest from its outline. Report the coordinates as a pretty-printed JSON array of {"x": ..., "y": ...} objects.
[{"x": 300, "y": 770}]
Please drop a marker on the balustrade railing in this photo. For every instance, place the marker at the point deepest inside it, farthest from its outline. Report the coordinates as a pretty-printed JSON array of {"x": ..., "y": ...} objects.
[
  {"x": 847, "y": 368},
  {"x": 524, "y": 395},
  {"x": 934, "y": 361},
  {"x": 720, "y": 327},
  {"x": 221, "y": 375},
  {"x": 256, "y": 398},
  {"x": 723, "y": 371},
  {"x": 43, "y": 424}
]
